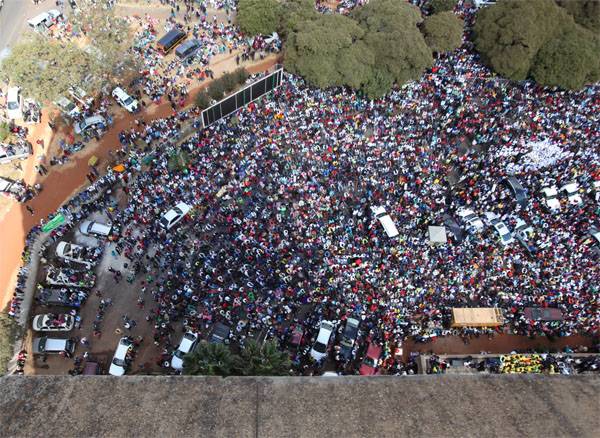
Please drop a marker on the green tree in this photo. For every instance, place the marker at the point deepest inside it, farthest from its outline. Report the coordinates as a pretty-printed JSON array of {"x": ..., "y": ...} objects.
[
  {"x": 443, "y": 32},
  {"x": 44, "y": 68},
  {"x": 209, "y": 360},
  {"x": 8, "y": 333},
  {"x": 202, "y": 100},
  {"x": 229, "y": 81},
  {"x": 216, "y": 89},
  {"x": 438, "y": 6},
  {"x": 323, "y": 51},
  {"x": 510, "y": 33},
  {"x": 585, "y": 12},
  {"x": 262, "y": 360},
  {"x": 569, "y": 61},
  {"x": 241, "y": 74},
  {"x": 295, "y": 12},
  {"x": 258, "y": 17},
  {"x": 4, "y": 131},
  {"x": 109, "y": 39}
]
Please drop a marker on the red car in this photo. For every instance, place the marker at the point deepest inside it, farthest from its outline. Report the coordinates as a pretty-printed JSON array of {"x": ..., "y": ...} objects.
[{"x": 370, "y": 363}]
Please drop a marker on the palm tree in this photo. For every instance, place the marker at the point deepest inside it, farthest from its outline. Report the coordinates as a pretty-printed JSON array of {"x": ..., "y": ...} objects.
[
  {"x": 262, "y": 360},
  {"x": 209, "y": 360}
]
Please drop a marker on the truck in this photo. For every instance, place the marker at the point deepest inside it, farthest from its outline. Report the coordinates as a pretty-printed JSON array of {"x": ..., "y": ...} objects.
[
  {"x": 79, "y": 254},
  {"x": 70, "y": 277},
  {"x": 66, "y": 297}
]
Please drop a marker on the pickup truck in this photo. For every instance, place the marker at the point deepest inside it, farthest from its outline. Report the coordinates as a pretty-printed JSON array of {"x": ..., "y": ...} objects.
[
  {"x": 70, "y": 277},
  {"x": 65, "y": 297},
  {"x": 78, "y": 254}
]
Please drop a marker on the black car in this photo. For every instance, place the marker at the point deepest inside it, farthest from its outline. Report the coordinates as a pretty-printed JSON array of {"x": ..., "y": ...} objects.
[
  {"x": 219, "y": 334},
  {"x": 349, "y": 338},
  {"x": 454, "y": 228}
]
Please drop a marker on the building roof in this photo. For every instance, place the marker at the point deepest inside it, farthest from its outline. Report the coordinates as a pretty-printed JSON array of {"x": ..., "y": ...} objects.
[{"x": 514, "y": 405}]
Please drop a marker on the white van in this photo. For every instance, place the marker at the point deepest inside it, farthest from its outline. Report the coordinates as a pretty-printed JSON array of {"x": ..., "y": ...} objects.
[
  {"x": 46, "y": 345},
  {"x": 14, "y": 103},
  {"x": 386, "y": 221},
  {"x": 44, "y": 21}
]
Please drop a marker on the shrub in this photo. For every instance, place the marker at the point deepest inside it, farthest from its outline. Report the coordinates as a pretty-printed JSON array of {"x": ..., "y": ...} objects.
[
  {"x": 202, "y": 100},
  {"x": 216, "y": 89},
  {"x": 229, "y": 81},
  {"x": 8, "y": 333}
]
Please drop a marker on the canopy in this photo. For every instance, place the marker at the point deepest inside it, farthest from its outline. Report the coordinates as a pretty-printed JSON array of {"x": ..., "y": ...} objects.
[
  {"x": 437, "y": 234},
  {"x": 119, "y": 168},
  {"x": 477, "y": 317}
]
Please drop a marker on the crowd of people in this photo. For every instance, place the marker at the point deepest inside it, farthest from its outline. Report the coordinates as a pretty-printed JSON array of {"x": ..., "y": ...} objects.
[{"x": 281, "y": 229}]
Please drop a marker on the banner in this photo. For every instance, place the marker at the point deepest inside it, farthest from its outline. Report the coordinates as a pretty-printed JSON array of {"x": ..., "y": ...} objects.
[{"x": 55, "y": 222}]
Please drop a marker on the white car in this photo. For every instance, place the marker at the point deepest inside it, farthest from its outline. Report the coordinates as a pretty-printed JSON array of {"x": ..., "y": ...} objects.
[
  {"x": 551, "y": 198},
  {"x": 319, "y": 351},
  {"x": 522, "y": 229},
  {"x": 174, "y": 215},
  {"x": 119, "y": 363},
  {"x": 470, "y": 219},
  {"x": 51, "y": 322},
  {"x": 187, "y": 345},
  {"x": 125, "y": 100},
  {"x": 14, "y": 103},
  {"x": 573, "y": 195},
  {"x": 91, "y": 228},
  {"x": 386, "y": 221},
  {"x": 504, "y": 233}
]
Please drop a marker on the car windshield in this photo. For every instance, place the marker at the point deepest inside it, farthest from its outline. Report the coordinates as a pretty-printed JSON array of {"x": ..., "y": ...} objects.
[
  {"x": 369, "y": 362},
  {"x": 177, "y": 210},
  {"x": 179, "y": 354},
  {"x": 118, "y": 362},
  {"x": 13, "y": 105},
  {"x": 320, "y": 348},
  {"x": 128, "y": 101}
]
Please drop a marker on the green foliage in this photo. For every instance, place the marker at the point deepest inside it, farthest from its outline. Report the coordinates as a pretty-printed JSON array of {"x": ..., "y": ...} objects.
[
  {"x": 443, "y": 32},
  {"x": 229, "y": 82},
  {"x": 8, "y": 333},
  {"x": 262, "y": 360},
  {"x": 44, "y": 69},
  {"x": 4, "y": 131},
  {"x": 216, "y": 89},
  {"x": 536, "y": 39},
  {"x": 569, "y": 61},
  {"x": 585, "y": 12},
  {"x": 241, "y": 74},
  {"x": 438, "y": 6},
  {"x": 509, "y": 34},
  {"x": 202, "y": 100},
  {"x": 258, "y": 17},
  {"x": 377, "y": 45},
  {"x": 209, "y": 360},
  {"x": 295, "y": 12}
]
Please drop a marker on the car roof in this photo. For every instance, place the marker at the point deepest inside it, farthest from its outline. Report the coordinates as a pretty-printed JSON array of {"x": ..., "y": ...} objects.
[
  {"x": 186, "y": 45},
  {"x": 374, "y": 350},
  {"x": 100, "y": 227},
  {"x": 94, "y": 120},
  {"x": 12, "y": 93},
  {"x": 124, "y": 345},
  {"x": 550, "y": 191}
]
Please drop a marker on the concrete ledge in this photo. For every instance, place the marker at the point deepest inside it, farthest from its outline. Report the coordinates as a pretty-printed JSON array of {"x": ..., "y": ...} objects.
[{"x": 300, "y": 407}]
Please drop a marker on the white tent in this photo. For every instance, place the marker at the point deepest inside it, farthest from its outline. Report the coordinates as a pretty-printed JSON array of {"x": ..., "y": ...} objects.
[{"x": 437, "y": 234}]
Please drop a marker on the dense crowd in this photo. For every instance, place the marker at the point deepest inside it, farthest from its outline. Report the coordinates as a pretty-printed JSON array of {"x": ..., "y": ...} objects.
[{"x": 282, "y": 232}]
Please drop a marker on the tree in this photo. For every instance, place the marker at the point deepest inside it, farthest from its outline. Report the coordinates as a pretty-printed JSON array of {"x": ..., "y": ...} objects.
[
  {"x": 585, "y": 12},
  {"x": 438, "y": 6},
  {"x": 216, "y": 89},
  {"x": 109, "y": 42},
  {"x": 509, "y": 34},
  {"x": 569, "y": 61},
  {"x": 45, "y": 69},
  {"x": 294, "y": 13},
  {"x": 241, "y": 74},
  {"x": 443, "y": 32},
  {"x": 209, "y": 360},
  {"x": 202, "y": 100},
  {"x": 258, "y": 17},
  {"x": 229, "y": 81},
  {"x": 262, "y": 360},
  {"x": 8, "y": 332}
]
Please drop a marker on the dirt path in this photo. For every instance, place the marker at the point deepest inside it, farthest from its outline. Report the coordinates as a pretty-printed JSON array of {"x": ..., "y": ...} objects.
[{"x": 62, "y": 182}]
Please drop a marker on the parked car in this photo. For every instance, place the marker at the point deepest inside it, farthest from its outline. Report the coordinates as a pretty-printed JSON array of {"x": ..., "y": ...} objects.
[
  {"x": 91, "y": 228},
  {"x": 504, "y": 234},
  {"x": 120, "y": 361},
  {"x": 45, "y": 345},
  {"x": 471, "y": 221},
  {"x": 81, "y": 97},
  {"x": 67, "y": 107},
  {"x": 79, "y": 254},
  {"x": 386, "y": 221},
  {"x": 349, "y": 338},
  {"x": 594, "y": 239},
  {"x": 44, "y": 21},
  {"x": 125, "y": 100},
  {"x": 53, "y": 322},
  {"x": 524, "y": 235},
  {"x": 319, "y": 349},
  {"x": 70, "y": 277},
  {"x": 220, "y": 334},
  {"x": 87, "y": 125},
  {"x": 174, "y": 215},
  {"x": 551, "y": 201},
  {"x": 14, "y": 103},
  {"x": 187, "y": 345},
  {"x": 15, "y": 151},
  {"x": 370, "y": 363},
  {"x": 572, "y": 191},
  {"x": 64, "y": 297},
  {"x": 187, "y": 49}
]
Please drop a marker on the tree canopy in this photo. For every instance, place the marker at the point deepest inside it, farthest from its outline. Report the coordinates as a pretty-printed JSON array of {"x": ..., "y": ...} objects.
[
  {"x": 437, "y": 6},
  {"x": 262, "y": 360},
  {"x": 8, "y": 331},
  {"x": 443, "y": 32},
  {"x": 521, "y": 39},
  {"x": 585, "y": 12},
  {"x": 258, "y": 17},
  {"x": 209, "y": 360},
  {"x": 376, "y": 46}
]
